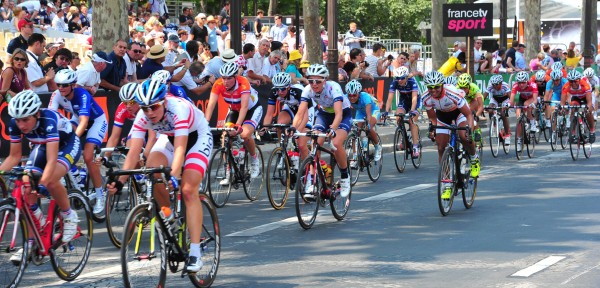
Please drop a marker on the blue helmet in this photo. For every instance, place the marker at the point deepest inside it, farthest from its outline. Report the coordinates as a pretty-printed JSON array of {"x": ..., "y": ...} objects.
[{"x": 150, "y": 92}]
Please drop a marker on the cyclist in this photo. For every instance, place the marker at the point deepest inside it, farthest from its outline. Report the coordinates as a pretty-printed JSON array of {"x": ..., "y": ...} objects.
[
  {"x": 54, "y": 142},
  {"x": 334, "y": 116},
  {"x": 165, "y": 77},
  {"x": 474, "y": 99},
  {"x": 557, "y": 66},
  {"x": 528, "y": 97},
  {"x": 90, "y": 121},
  {"x": 580, "y": 94},
  {"x": 289, "y": 95},
  {"x": 541, "y": 80},
  {"x": 244, "y": 110},
  {"x": 185, "y": 141},
  {"x": 553, "y": 93},
  {"x": 366, "y": 108},
  {"x": 594, "y": 82},
  {"x": 407, "y": 100},
  {"x": 450, "y": 80},
  {"x": 446, "y": 104},
  {"x": 498, "y": 92}
]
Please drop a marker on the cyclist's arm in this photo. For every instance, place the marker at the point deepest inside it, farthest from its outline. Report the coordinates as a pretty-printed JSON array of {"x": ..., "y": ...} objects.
[
  {"x": 269, "y": 116},
  {"x": 369, "y": 113},
  {"x": 563, "y": 98},
  {"x": 151, "y": 140},
  {"x": 113, "y": 140},
  {"x": 512, "y": 98},
  {"x": 51, "y": 160},
  {"x": 486, "y": 95},
  {"x": 83, "y": 123},
  {"x": 337, "y": 108},
  {"x": 388, "y": 102},
  {"x": 178, "y": 155},
  {"x": 415, "y": 96},
  {"x": 212, "y": 102},
  {"x": 14, "y": 157},
  {"x": 133, "y": 156},
  {"x": 588, "y": 98},
  {"x": 432, "y": 117},
  {"x": 300, "y": 115},
  {"x": 535, "y": 97},
  {"x": 244, "y": 109},
  {"x": 548, "y": 95},
  {"x": 479, "y": 99},
  {"x": 465, "y": 110}
]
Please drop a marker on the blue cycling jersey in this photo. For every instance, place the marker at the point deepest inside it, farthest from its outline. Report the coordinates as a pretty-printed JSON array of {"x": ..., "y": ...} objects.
[
  {"x": 406, "y": 90},
  {"x": 556, "y": 90},
  {"x": 364, "y": 99},
  {"x": 51, "y": 127},
  {"x": 82, "y": 104},
  {"x": 178, "y": 91}
]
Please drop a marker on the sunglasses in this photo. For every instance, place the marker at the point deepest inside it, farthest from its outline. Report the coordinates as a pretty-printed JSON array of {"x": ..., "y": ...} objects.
[
  {"x": 130, "y": 102},
  {"x": 137, "y": 51},
  {"x": 152, "y": 107},
  {"x": 280, "y": 89},
  {"x": 522, "y": 83},
  {"x": 183, "y": 34},
  {"x": 227, "y": 78},
  {"x": 315, "y": 81},
  {"x": 574, "y": 81},
  {"x": 19, "y": 59},
  {"x": 63, "y": 85},
  {"x": 399, "y": 78},
  {"x": 431, "y": 87},
  {"x": 75, "y": 58}
]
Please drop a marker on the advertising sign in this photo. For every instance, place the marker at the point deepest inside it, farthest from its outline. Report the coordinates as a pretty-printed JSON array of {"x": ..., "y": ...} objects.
[{"x": 468, "y": 20}]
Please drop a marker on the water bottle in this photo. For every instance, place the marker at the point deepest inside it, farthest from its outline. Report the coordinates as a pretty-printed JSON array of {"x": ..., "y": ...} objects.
[
  {"x": 236, "y": 155},
  {"x": 166, "y": 214},
  {"x": 463, "y": 163},
  {"x": 241, "y": 155},
  {"x": 365, "y": 142},
  {"x": 82, "y": 177},
  {"x": 75, "y": 173},
  {"x": 295, "y": 159}
]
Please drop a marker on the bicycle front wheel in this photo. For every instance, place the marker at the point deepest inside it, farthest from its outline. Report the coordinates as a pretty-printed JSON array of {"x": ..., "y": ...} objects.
[
  {"x": 554, "y": 132},
  {"x": 417, "y": 161},
  {"x": 308, "y": 193},
  {"x": 141, "y": 264},
  {"x": 400, "y": 149},
  {"x": 339, "y": 205},
  {"x": 494, "y": 133},
  {"x": 353, "y": 151},
  {"x": 220, "y": 177},
  {"x": 520, "y": 145},
  {"x": 374, "y": 167},
  {"x": 469, "y": 190},
  {"x": 210, "y": 245},
  {"x": 13, "y": 238},
  {"x": 278, "y": 178},
  {"x": 563, "y": 132},
  {"x": 117, "y": 208},
  {"x": 574, "y": 138},
  {"x": 446, "y": 181},
  {"x": 585, "y": 143},
  {"x": 69, "y": 259},
  {"x": 254, "y": 186},
  {"x": 531, "y": 143}
]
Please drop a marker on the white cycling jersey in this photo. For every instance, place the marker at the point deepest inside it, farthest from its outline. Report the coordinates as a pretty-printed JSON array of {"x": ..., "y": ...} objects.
[
  {"x": 332, "y": 92},
  {"x": 181, "y": 118}
]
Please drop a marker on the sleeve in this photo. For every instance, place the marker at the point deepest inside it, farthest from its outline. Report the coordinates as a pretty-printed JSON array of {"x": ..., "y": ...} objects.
[
  {"x": 548, "y": 85},
  {"x": 393, "y": 87},
  {"x": 252, "y": 65},
  {"x": 272, "y": 97},
  {"x": 140, "y": 126},
  {"x": 305, "y": 97},
  {"x": 514, "y": 89},
  {"x": 14, "y": 131},
  {"x": 217, "y": 87},
  {"x": 52, "y": 130},
  {"x": 265, "y": 67},
  {"x": 337, "y": 94},
  {"x": 120, "y": 115},
  {"x": 566, "y": 88},
  {"x": 54, "y": 103},
  {"x": 84, "y": 106},
  {"x": 188, "y": 81},
  {"x": 11, "y": 46},
  {"x": 183, "y": 119}
]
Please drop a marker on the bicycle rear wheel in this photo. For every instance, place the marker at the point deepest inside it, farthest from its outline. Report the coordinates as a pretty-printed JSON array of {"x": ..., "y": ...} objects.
[
  {"x": 278, "y": 178},
  {"x": 585, "y": 143},
  {"x": 254, "y": 186},
  {"x": 574, "y": 138},
  {"x": 554, "y": 132},
  {"x": 520, "y": 147},
  {"x": 563, "y": 132},
  {"x": 117, "y": 208},
  {"x": 446, "y": 180},
  {"x": 373, "y": 167},
  {"x": 531, "y": 143},
  {"x": 307, "y": 201},
  {"x": 12, "y": 272},
  {"x": 219, "y": 170},
  {"x": 469, "y": 190},
  {"x": 400, "y": 149},
  {"x": 210, "y": 245},
  {"x": 141, "y": 264},
  {"x": 417, "y": 161},
  {"x": 494, "y": 133},
  {"x": 69, "y": 259},
  {"x": 339, "y": 205},
  {"x": 354, "y": 157}
]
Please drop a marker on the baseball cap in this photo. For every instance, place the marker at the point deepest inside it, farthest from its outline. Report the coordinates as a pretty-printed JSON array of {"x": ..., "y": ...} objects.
[
  {"x": 100, "y": 56},
  {"x": 173, "y": 37},
  {"x": 140, "y": 28},
  {"x": 64, "y": 5},
  {"x": 456, "y": 43},
  {"x": 23, "y": 22},
  {"x": 201, "y": 15}
]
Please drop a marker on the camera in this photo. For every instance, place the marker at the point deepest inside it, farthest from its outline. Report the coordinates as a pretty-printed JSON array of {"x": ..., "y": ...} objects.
[
  {"x": 366, "y": 63},
  {"x": 390, "y": 57},
  {"x": 205, "y": 79}
]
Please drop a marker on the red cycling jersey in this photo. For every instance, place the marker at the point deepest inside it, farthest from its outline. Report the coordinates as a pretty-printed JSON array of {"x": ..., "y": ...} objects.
[
  {"x": 526, "y": 93},
  {"x": 122, "y": 114},
  {"x": 234, "y": 98},
  {"x": 579, "y": 92}
]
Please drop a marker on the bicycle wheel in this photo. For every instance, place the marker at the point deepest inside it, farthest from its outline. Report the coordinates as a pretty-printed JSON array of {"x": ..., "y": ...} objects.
[
  {"x": 417, "y": 161},
  {"x": 520, "y": 147},
  {"x": 278, "y": 178},
  {"x": 307, "y": 202},
  {"x": 69, "y": 259},
  {"x": 373, "y": 167},
  {"x": 563, "y": 132},
  {"x": 210, "y": 245},
  {"x": 117, "y": 208},
  {"x": 339, "y": 205},
  {"x": 502, "y": 131},
  {"x": 586, "y": 145},
  {"x": 141, "y": 264},
  {"x": 13, "y": 237},
  {"x": 219, "y": 170},
  {"x": 547, "y": 130},
  {"x": 400, "y": 149},
  {"x": 494, "y": 133},
  {"x": 574, "y": 138},
  {"x": 554, "y": 132},
  {"x": 469, "y": 189},
  {"x": 531, "y": 143},
  {"x": 354, "y": 157},
  {"x": 254, "y": 186},
  {"x": 446, "y": 180},
  {"x": 4, "y": 187}
]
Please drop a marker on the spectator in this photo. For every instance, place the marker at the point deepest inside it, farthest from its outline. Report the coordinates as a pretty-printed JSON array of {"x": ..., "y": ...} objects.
[
  {"x": 6, "y": 10},
  {"x": 377, "y": 63},
  {"x": 351, "y": 70},
  {"x": 75, "y": 61},
  {"x": 485, "y": 66},
  {"x": 83, "y": 15},
  {"x": 478, "y": 55},
  {"x": 342, "y": 75},
  {"x": 26, "y": 29},
  {"x": 185, "y": 19},
  {"x": 58, "y": 23},
  {"x": 18, "y": 14},
  {"x": 520, "y": 62},
  {"x": 60, "y": 60},
  {"x": 159, "y": 7},
  {"x": 353, "y": 37},
  {"x": 303, "y": 67},
  {"x": 132, "y": 57},
  {"x": 271, "y": 66},
  {"x": 547, "y": 62},
  {"x": 255, "y": 65},
  {"x": 32, "y": 8},
  {"x": 555, "y": 54},
  {"x": 88, "y": 77},
  {"x": 154, "y": 59},
  {"x": 190, "y": 53},
  {"x": 183, "y": 38},
  {"x": 224, "y": 17},
  {"x": 413, "y": 64},
  {"x": 572, "y": 47},
  {"x": 75, "y": 25},
  {"x": 213, "y": 31},
  {"x": 44, "y": 14},
  {"x": 114, "y": 76},
  {"x": 41, "y": 81},
  {"x": 205, "y": 54},
  {"x": 65, "y": 7},
  {"x": 199, "y": 31},
  {"x": 509, "y": 60},
  {"x": 290, "y": 40},
  {"x": 47, "y": 56},
  {"x": 187, "y": 81},
  {"x": 173, "y": 50},
  {"x": 292, "y": 68},
  {"x": 597, "y": 58},
  {"x": 137, "y": 35},
  {"x": 246, "y": 26},
  {"x": 264, "y": 33},
  {"x": 536, "y": 63},
  {"x": 14, "y": 78},
  {"x": 401, "y": 60},
  {"x": 572, "y": 60},
  {"x": 258, "y": 23},
  {"x": 214, "y": 65},
  {"x": 248, "y": 52},
  {"x": 279, "y": 30},
  {"x": 357, "y": 56}
]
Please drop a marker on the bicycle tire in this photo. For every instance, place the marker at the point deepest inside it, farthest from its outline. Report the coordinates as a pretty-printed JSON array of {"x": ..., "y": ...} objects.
[
  {"x": 531, "y": 144},
  {"x": 61, "y": 256},
  {"x": 210, "y": 244},
  {"x": 140, "y": 223},
  {"x": 563, "y": 133},
  {"x": 417, "y": 161},
  {"x": 12, "y": 274},
  {"x": 446, "y": 178},
  {"x": 554, "y": 132},
  {"x": 469, "y": 190},
  {"x": 89, "y": 190},
  {"x": 254, "y": 186},
  {"x": 400, "y": 149},
  {"x": 519, "y": 149},
  {"x": 505, "y": 148},
  {"x": 278, "y": 177},
  {"x": 339, "y": 205},
  {"x": 216, "y": 172},
  {"x": 547, "y": 130},
  {"x": 587, "y": 146},
  {"x": 373, "y": 167},
  {"x": 494, "y": 134},
  {"x": 117, "y": 208},
  {"x": 353, "y": 150},
  {"x": 574, "y": 138},
  {"x": 307, "y": 207}
]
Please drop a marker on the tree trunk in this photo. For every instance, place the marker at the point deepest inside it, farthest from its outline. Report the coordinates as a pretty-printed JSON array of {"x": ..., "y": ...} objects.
[
  {"x": 312, "y": 32},
  {"x": 272, "y": 7},
  {"x": 439, "y": 47},
  {"x": 110, "y": 23},
  {"x": 532, "y": 28}
]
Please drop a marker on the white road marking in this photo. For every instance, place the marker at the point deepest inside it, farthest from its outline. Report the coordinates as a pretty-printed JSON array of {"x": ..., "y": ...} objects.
[
  {"x": 264, "y": 228},
  {"x": 579, "y": 274},
  {"x": 539, "y": 266},
  {"x": 396, "y": 193}
]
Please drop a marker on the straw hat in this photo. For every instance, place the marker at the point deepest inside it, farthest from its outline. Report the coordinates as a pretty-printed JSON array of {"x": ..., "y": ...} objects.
[
  {"x": 157, "y": 51},
  {"x": 211, "y": 19}
]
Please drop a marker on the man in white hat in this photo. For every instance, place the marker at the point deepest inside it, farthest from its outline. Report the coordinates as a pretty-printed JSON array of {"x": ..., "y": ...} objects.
[
  {"x": 214, "y": 65},
  {"x": 88, "y": 77},
  {"x": 154, "y": 59}
]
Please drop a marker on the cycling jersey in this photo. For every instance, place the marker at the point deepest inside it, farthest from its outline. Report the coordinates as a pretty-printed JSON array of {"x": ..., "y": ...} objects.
[
  {"x": 404, "y": 97},
  {"x": 360, "y": 106},
  {"x": 579, "y": 92},
  {"x": 234, "y": 98},
  {"x": 526, "y": 93},
  {"x": 556, "y": 90},
  {"x": 121, "y": 115},
  {"x": 82, "y": 104},
  {"x": 473, "y": 91},
  {"x": 594, "y": 82},
  {"x": 292, "y": 99},
  {"x": 451, "y": 100},
  {"x": 332, "y": 92},
  {"x": 499, "y": 96},
  {"x": 178, "y": 91}
]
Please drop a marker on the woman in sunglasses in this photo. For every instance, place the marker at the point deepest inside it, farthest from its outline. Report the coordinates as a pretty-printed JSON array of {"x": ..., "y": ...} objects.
[
  {"x": 579, "y": 92},
  {"x": 407, "y": 101},
  {"x": 498, "y": 92},
  {"x": 185, "y": 141},
  {"x": 367, "y": 107},
  {"x": 14, "y": 78},
  {"x": 528, "y": 94},
  {"x": 90, "y": 121}
]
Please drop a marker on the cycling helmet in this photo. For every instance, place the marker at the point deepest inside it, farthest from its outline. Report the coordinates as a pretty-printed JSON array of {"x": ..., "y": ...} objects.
[
  {"x": 353, "y": 87},
  {"x": 556, "y": 75},
  {"x": 573, "y": 75},
  {"x": 150, "y": 92},
  {"x": 65, "y": 76},
  {"x": 401, "y": 72},
  {"x": 556, "y": 66},
  {"x": 162, "y": 75},
  {"x": 589, "y": 72},
  {"x": 25, "y": 103},
  {"x": 463, "y": 81},
  {"x": 317, "y": 70},
  {"x": 433, "y": 78},
  {"x": 127, "y": 92},
  {"x": 496, "y": 79},
  {"x": 282, "y": 80},
  {"x": 229, "y": 69},
  {"x": 450, "y": 80},
  {"x": 540, "y": 75},
  {"x": 521, "y": 76}
]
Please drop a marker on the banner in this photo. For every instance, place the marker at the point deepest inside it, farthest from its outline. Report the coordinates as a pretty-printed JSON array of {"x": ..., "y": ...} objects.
[{"x": 468, "y": 20}]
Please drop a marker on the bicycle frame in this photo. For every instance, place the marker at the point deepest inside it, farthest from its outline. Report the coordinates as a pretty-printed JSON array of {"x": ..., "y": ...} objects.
[
  {"x": 315, "y": 153},
  {"x": 227, "y": 144}
]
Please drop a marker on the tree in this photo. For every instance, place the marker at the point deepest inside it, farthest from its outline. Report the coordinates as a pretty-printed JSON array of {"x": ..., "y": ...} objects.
[
  {"x": 272, "y": 8},
  {"x": 532, "y": 29},
  {"x": 110, "y": 23},
  {"x": 312, "y": 32}
]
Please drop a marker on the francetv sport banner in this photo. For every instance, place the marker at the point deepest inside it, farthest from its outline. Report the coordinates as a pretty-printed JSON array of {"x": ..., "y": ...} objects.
[{"x": 468, "y": 20}]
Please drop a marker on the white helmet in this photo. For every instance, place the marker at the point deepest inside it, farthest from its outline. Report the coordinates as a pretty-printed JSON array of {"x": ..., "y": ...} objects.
[
  {"x": 150, "y": 92},
  {"x": 573, "y": 75},
  {"x": 25, "y": 103},
  {"x": 127, "y": 92},
  {"x": 162, "y": 75},
  {"x": 65, "y": 76},
  {"x": 556, "y": 66},
  {"x": 540, "y": 75},
  {"x": 282, "y": 80},
  {"x": 496, "y": 79},
  {"x": 353, "y": 87},
  {"x": 589, "y": 72},
  {"x": 450, "y": 80},
  {"x": 229, "y": 69},
  {"x": 433, "y": 78},
  {"x": 521, "y": 76},
  {"x": 401, "y": 72},
  {"x": 317, "y": 70},
  {"x": 556, "y": 75}
]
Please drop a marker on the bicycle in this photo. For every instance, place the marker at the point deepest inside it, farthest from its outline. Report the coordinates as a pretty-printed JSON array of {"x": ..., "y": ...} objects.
[
  {"x": 144, "y": 231},
  {"x": 311, "y": 174},
  {"x": 403, "y": 143},
  {"x": 282, "y": 170},
  {"x": 455, "y": 172},
  {"x": 540, "y": 118},
  {"x": 497, "y": 133},
  {"x": 579, "y": 132},
  {"x": 560, "y": 131},
  {"x": 225, "y": 165},
  {"x": 361, "y": 153},
  {"x": 68, "y": 259},
  {"x": 528, "y": 136}
]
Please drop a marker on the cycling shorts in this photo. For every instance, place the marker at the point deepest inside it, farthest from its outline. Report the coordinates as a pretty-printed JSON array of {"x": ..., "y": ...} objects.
[
  {"x": 68, "y": 155},
  {"x": 406, "y": 102},
  {"x": 253, "y": 116},
  {"x": 446, "y": 119},
  {"x": 499, "y": 102},
  {"x": 310, "y": 112},
  {"x": 197, "y": 152},
  {"x": 324, "y": 120},
  {"x": 96, "y": 132}
]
